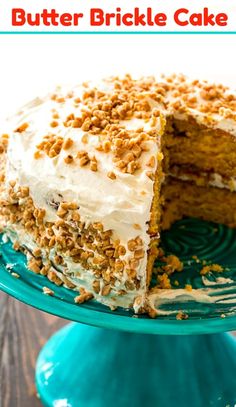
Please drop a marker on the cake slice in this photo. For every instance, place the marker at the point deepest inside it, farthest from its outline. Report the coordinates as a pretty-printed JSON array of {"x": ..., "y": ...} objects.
[
  {"x": 82, "y": 188},
  {"x": 200, "y": 152}
]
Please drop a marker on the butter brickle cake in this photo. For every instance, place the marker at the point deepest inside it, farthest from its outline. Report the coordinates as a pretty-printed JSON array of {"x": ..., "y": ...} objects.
[{"x": 91, "y": 175}]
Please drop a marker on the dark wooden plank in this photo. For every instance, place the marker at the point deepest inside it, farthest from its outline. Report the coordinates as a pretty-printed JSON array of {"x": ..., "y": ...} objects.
[{"x": 23, "y": 331}]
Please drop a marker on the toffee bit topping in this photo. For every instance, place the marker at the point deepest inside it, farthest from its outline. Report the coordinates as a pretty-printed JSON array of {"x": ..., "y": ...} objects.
[
  {"x": 16, "y": 246},
  {"x": 69, "y": 159},
  {"x": 106, "y": 290},
  {"x": 111, "y": 175},
  {"x": 152, "y": 161},
  {"x": 48, "y": 291},
  {"x": 150, "y": 175},
  {"x": 181, "y": 316},
  {"x": 84, "y": 296},
  {"x": 55, "y": 115},
  {"x": 34, "y": 265},
  {"x": 163, "y": 281},
  {"x": 173, "y": 264},
  {"x": 54, "y": 123},
  {"x": 51, "y": 145},
  {"x": 22, "y": 128},
  {"x": 16, "y": 275},
  {"x": 96, "y": 286},
  {"x": 37, "y": 252},
  {"x": 84, "y": 139},
  {"x": 67, "y": 144},
  {"x": 213, "y": 267},
  {"x": 93, "y": 164},
  {"x": 84, "y": 158},
  {"x": 53, "y": 277},
  {"x": 37, "y": 155},
  {"x": 3, "y": 143}
]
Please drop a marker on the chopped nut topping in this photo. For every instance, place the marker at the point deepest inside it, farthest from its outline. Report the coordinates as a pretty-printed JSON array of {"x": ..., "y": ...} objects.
[
  {"x": 54, "y": 123},
  {"x": 48, "y": 291},
  {"x": 93, "y": 164},
  {"x": 37, "y": 252},
  {"x": 52, "y": 276},
  {"x": 213, "y": 267},
  {"x": 151, "y": 162},
  {"x": 16, "y": 275},
  {"x": 84, "y": 296},
  {"x": 106, "y": 290},
  {"x": 22, "y": 128},
  {"x": 96, "y": 286},
  {"x": 111, "y": 175},
  {"x": 69, "y": 159},
  {"x": 67, "y": 144}
]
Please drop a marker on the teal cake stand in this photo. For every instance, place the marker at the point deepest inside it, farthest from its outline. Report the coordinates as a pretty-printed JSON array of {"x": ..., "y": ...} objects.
[{"x": 109, "y": 359}]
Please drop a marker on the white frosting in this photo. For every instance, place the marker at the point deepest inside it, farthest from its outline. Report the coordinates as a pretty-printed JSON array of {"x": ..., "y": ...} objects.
[
  {"x": 214, "y": 292},
  {"x": 118, "y": 204}
]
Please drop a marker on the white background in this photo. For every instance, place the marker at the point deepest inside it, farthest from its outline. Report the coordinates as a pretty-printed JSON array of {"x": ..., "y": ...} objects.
[{"x": 33, "y": 65}]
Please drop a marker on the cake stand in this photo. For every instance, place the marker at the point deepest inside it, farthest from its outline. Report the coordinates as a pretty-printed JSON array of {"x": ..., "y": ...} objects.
[{"x": 117, "y": 359}]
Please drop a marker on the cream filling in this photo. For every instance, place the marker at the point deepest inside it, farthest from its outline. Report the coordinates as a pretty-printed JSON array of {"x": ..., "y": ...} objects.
[{"x": 216, "y": 180}]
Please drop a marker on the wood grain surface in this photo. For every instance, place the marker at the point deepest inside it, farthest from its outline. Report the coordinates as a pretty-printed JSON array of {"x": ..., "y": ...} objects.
[{"x": 23, "y": 331}]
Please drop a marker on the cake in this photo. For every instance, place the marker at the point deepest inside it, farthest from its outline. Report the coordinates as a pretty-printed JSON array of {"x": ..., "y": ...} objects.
[{"x": 93, "y": 173}]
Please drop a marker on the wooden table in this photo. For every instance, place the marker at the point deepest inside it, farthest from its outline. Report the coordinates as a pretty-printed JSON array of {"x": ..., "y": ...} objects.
[{"x": 23, "y": 331}]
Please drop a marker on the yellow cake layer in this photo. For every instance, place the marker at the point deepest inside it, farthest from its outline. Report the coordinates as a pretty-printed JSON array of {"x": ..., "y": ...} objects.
[
  {"x": 206, "y": 149},
  {"x": 208, "y": 203}
]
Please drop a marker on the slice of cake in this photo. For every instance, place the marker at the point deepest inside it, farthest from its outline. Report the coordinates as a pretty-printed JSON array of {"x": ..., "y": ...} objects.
[{"x": 92, "y": 174}]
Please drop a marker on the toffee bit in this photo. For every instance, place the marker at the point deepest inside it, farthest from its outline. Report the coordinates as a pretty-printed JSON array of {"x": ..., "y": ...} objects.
[
  {"x": 22, "y": 128},
  {"x": 69, "y": 159},
  {"x": 67, "y": 144},
  {"x": 54, "y": 123},
  {"x": 83, "y": 296},
  {"x": 181, "y": 316},
  {"x": 111, "y": 175},
  {"x": 213, "y": 267},
  {"x": 163, "y": 281},
  {"x": 106, "y": 290},
  {"x": 16, "y": 275},
  {"x": 152, "y": 161},
  {"x": 48, "y": 291}
]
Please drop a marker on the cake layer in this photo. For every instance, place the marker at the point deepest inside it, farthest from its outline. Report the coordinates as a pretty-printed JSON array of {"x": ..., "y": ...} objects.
[
  {"x": 185, "y": 198},
  {"x": 200, "y": 148}
]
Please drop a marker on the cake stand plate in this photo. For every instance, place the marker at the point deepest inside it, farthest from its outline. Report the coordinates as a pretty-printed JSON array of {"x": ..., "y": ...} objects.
[{"x": 117, "y": 359}]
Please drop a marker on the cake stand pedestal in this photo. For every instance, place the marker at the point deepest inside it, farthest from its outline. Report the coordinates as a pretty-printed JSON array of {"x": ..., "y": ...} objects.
[{"x": 83, "y": 366}]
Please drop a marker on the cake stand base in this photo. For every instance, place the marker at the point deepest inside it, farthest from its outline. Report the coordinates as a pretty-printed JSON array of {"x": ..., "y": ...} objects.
[{"x": 83, "y": 366}]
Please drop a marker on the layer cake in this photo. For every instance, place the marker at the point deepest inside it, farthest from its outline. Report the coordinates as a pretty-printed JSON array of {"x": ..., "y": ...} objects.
[{"x": 92, "y": 174}]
